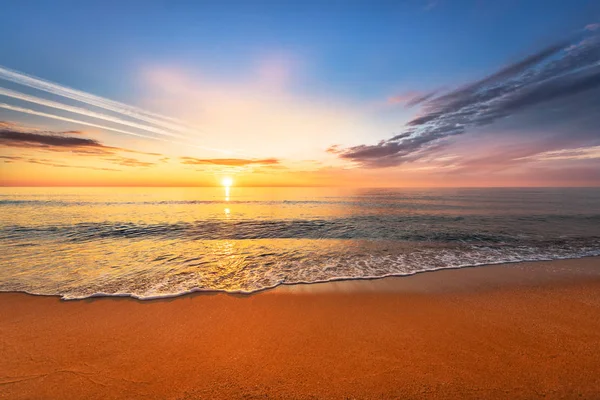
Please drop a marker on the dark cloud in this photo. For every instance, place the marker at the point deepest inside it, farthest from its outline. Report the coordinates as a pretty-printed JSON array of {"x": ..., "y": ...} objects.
[
  {"x": 570, "y": 85},
  {"x": 229, "y": 162},
  {"x": 14, "y": 136},
  {"x": 11, "y": 158},
  {"x": 552, "y": 77},
  {"x": 420, "y": 99}
]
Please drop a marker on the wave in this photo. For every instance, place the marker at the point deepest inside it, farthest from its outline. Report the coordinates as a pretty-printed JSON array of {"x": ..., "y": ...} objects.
[
  {"x": 409, "y": 228},
  {"x": 151, "y": 269},
  {"x": 152, "y": 245},
  {"x": 166, "y": 295},
  {"x": 334, "y": 279}
]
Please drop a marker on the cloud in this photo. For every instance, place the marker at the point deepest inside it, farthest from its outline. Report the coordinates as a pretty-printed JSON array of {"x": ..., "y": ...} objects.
[
  {"x": 75, "y": 121},
  {"x": 129, "y": 162},
  {"x": 551, "y": 76},
  {"x": 60, "y": 165},
  {"x": 11, "y": 138},
  {"x": 10, "y": 125},
  {"x": 153, "y": 123},
  {"x": 10, "y": 159},
  {"x": 14, "y": 136},
  {"x": 334, "y": 149},
  {"x": 85, "y": 112},
  {"x": 93, "y": 100},
  {"x": 229, "y": 162},
  {"x": 104, "y": 127},
  {"x": 582, "y": 153},
  {"x": 411, "y": 98}
]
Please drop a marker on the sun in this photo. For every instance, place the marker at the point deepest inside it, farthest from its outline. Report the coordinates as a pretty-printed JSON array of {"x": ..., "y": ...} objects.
[{"x": 227, "y": 181}]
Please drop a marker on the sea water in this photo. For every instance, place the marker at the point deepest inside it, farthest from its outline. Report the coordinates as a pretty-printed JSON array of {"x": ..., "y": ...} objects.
[{"x": 157, "y": 242}]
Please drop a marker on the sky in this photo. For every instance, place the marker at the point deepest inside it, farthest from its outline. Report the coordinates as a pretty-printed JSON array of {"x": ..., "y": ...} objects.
[{"x": 414, "y": 93}]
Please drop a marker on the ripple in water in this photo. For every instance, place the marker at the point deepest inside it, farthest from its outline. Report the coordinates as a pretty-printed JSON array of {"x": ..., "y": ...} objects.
[{"x": 157, "y": 242}]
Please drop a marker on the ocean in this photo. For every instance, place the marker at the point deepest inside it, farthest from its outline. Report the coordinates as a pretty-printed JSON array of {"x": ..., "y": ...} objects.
[{"x": 160, "y": 242}]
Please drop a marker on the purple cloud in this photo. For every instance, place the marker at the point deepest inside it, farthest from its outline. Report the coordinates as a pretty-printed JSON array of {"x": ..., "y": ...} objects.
[{"x": 554, "y": 74}]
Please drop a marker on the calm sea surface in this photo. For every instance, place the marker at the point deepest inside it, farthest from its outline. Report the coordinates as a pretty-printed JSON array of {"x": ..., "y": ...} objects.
[{"x": 152, "y": 242}]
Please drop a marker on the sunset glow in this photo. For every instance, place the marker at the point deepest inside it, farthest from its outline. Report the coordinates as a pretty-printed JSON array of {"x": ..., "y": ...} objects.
[
  {"x": 232, "y": 199},
  {"x": 227, "y": 181},
  {"x": 303, "y": 109}
]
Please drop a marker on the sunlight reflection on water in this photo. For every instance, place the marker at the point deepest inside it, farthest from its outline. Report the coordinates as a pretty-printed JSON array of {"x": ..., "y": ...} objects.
[{"x": 155, "y": 241}]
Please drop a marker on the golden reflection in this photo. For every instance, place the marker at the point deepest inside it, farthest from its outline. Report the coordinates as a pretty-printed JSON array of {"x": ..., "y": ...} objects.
[
  {"x": 169, "y": 205},
  {"x": 227, "y": 182}
]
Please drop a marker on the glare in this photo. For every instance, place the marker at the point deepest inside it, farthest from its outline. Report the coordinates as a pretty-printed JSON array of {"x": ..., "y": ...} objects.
[{"x": 227, "y": 181}]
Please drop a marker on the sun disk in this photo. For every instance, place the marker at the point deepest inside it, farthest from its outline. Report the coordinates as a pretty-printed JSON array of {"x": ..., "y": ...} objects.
[{"x": 227, "y": 181}]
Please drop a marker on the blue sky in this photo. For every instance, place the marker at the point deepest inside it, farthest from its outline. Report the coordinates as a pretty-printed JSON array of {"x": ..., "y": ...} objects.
[{"x": 353, "y": 48}]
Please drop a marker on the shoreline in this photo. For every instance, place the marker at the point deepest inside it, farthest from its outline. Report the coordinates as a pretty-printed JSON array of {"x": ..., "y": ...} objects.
[
  {"x": 334, "y": 284},
  {"x": 524, "y": 330}
]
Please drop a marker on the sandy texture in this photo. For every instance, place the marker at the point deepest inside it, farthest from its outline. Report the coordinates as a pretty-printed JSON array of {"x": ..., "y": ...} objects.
[{"x": 499, "y": 339}]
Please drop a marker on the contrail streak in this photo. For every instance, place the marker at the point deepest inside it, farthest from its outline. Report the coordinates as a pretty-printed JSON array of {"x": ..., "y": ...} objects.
[
  {"x": 43, "y": 114},
  {"x": 88, "y": 98},
  {"x": 77, "y": 121},
  {"x": 83, "y": 111},
  {"x": 93, "y": 100}
]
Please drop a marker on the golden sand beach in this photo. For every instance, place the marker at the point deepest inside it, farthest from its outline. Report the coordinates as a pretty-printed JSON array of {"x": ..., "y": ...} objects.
[{"x": 517, "y": 331}]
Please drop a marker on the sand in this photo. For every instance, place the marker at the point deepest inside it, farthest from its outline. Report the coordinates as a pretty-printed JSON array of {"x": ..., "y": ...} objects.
[{"x": 525, "y": 331}]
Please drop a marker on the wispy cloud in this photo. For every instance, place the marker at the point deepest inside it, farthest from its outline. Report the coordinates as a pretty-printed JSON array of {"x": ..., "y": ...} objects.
[
  {"x": 176, "y": 130},
  {"x": 82, "y": 111},
  {"x": 411, "y": 98},
  {"x": 51, "y": 163},
  {"x": 93, "y": 100},
  {"x": 75, "y": 121},
  {"x": 129, "y": 162},
  {"x": 229, "y": 162},
  {"x": 13, "y": 136},
  {"x": 582, "y": 153},
  {"x": 10, "y": 159},
  {"x": 104, "y": 127},
  {"x": 551, "y": 75}
]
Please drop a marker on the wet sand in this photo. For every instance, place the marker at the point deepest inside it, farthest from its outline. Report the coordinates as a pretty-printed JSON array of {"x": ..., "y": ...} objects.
[{"x": 529, "y": 330}]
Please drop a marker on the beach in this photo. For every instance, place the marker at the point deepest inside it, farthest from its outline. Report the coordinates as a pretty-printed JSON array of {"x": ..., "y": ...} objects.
[
  {"x": 528, "y": 330},
  {"x": 334, "y": 200}
]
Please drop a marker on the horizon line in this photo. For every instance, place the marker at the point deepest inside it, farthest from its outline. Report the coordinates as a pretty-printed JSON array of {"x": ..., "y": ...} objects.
[{"x": 304, "y": 186}]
